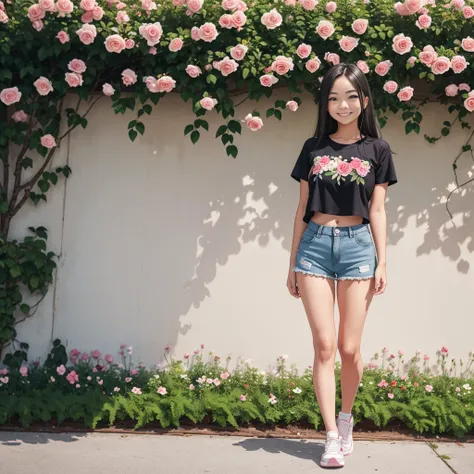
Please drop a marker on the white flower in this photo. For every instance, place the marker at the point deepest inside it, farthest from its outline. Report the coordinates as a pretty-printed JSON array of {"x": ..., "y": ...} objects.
[
  {"x": 184, "y": 376},
  {"x": 467, "y": 387},
  {"x": 297, "y": 390}
]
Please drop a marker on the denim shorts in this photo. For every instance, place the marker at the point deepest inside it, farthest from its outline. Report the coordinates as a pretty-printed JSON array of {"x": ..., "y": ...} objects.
[{"x": 339, "y": 253}]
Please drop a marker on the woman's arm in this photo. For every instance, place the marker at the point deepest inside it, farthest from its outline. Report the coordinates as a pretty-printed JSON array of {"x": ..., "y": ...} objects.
[
  {"x": 378, "y": 226},
  {"x": 299, "y": 225}
]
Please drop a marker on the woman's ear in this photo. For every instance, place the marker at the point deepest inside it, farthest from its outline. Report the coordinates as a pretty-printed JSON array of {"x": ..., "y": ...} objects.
[{"x": 366, "y": 102}]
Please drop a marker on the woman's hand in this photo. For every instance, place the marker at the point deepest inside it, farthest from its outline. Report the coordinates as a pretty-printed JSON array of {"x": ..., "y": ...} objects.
[
  {"x": 380, "y": 279},
  {"x": 291, "y": 284}
]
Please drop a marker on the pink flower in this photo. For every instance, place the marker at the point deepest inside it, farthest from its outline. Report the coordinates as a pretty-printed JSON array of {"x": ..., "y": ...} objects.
[
  {"x": 63, "y": 37},
  {"x": 467, "y": 12},
  {"x": 129, "y": 43},
  {"x": 225, "y": 21},
  {"x": 238, "y": 52},
  {"x": 468, "y": 44},
  {"x": 3, "y": 16},
  {"x": 441, "y": 65},
  {"x": 122, "y": 17},
  {"x": 225, "y": 375},
  {"x": 97, "y": 13},
  {"x": 359, "y": 26},
  {"x": 48, "y": 141},
  {"x": 152, "y": 32},
  {"x": 208, "y": 32},
  {"x": 325, "y": 29},
  {"x": 202, "y": 346},
  {"x": 175, "y": 45},
  {"x": 253, "y": 123},
  {"x": 458, "y": 389},
  {"x": 3, "y": 371},
  {"x": 134, "y": 372},
  {"x": 208, "y": 103},
  {"x": 308, "y": 5},
  {"x": 72, "y": 377},
  {"x": 96, "y": 354},
  {"x": 88, "y": 5},
  {"x": 152, "y": 50},
  {"x": 73, "y": 79},
  {"x": 363, "y": 169},
  {"x": 43, "y": 86},
  {"x": 238, "y": 19},
  {"x": 116, "y": 389},
  {"x": 129, "y": 77},
  {"x": 4, "y": 380},
  {"x": 405, "y": 94},
  {"x": 402, "y": 44},
  {"x": 428, "y": 388},
  {"x": 107, "y": 89},
  {"x": 348, "y": 43},
  {"x": 162, "y": 391},
  {"x": 416, "y": 384},
  {"x": 423, "y": 22},
  {"x": 268, "y": 80},
  {"x": 317, "y": 168},
  {"x": 87, "y": 34},
  {"x": 383, "y": 67},
  {"x": 458, "y": 64},
  {"x": 114, "y": 44},
  {"x": 272, "y": 19},
  {"x": 444, "y": 350},
  {"x": 227, "y": 66},
  {"x": 193, "y": 71},
  {"x": 313, "y": 65},
  {"x": 243, "y": 398},
  {"x": 136, "y": 391},
  {"x": 356, "y": 162},
  {"x": 194, "y": 5},
  {"x": 35, "y": 12},
  {"x": 191, "y": 387},
  {"x": 77, "y": 65},
  {"x": 411, "y": 60},
  {"x": 20, "y": 116},
  {"x": 462, "y": 87},
  {"x": 10, "y": 95},
  {"x": 362, "y": 65},
  {"x": 87, "y": 17},
  {"x": 217, "y": 382},
  {"x": 123, "y": 346},
  {"x": 344, "y": 168},
  {"x": 128, "y": 379},
  {"x": 195, "y": 33},
  {"x": 332, "y": 58},
  {"x": 458, "y": 4},
  {"x": 413, "y": 5},
  {"x": 64, "y": 7},
  {"x": 382, "y": 384},
  {"x": 165, "y": 84},
  {"x": 451, "y": 90},
  {"x": 390, "y": 87},
  {"x": 23, "y": 371},
  {"x": 292, "y": 105},
  {"x": 390, "y": 395},
  {"x": 331, "y": 7},
  {"x": 303, "y": 50},
  {"x": 401, "y": 353},
  {"x": 109, "y": 358},
  {"x": 46, "y": 5},
  {"x": 428, "y": 55},
  {"x": 230, "y": 4}
]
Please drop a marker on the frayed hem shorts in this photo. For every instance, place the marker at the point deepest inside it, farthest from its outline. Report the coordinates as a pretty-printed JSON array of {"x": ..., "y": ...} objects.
[{"x": 339, "y": 253}]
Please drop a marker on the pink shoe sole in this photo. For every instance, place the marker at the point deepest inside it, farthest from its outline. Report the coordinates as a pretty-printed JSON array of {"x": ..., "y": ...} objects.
[{"x": 333, "y": 462}]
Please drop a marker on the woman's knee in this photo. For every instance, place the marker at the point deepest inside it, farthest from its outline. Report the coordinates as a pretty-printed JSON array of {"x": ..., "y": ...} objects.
[
  {"x": 324, "y": 351},
  {"x": 349, "y": 353}
]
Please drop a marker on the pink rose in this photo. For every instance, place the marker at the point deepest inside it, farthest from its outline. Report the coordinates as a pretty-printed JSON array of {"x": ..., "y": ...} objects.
[
  {"x": 193, "y": 71},
  {"x": 362, "y": 65},
  {"x": 43, "y": 86},
  {"x": 405, "y": 94},
  {"x": 88, "y": 5},
  {"x": 129, "y": 43},
  {"x": 23, "y": 371},
  {"x": 458, "y": 64},
  {"x": 129, "y": 77},
  {"x": 451, "y": 90},
  {"x": 390, "y": 87},
  {"x": 401, "y": 9},
  {"x": 96, "y": 354},
  {"x": 61, "y": 370},
  {"x": 122, "y": 17},
  {"x": 72, "y": 377},
  {"x": 272, "y": 19},
  {"x": 253, "y": 123},
  {"x": 114, "y": 44},
  {"x": 348, "y": 43},
  {"x": 402, "y": 44},
  {"x": 281, "y": 65},
  {"x": 208, "y": 32},
  {"x": 344, "y": 168},
  {"x": 20, "y": 116},
  {"x": 77, "y": 65},
  {"x": 227, "y": 66},
  {"x": 87, "y": 17},
  {"x": 225, "y": 21},
  {"x": 458, "y": 4},
  {"x": 355, "y": 162},
  {"x": 35, "y": 12},
  {"x": 238, "y": 19},
  {"x": 464, "y": 87},
  {"x": 120, "y": 5},
  {"x": 441, "y": 65},
  {"x": 332, "y": 58},
  {"x": 292, "y": 105},
  {"x": 290, "y": 3},
  {"x": 208, "y": 103},
  {"x": 38, "y": 25},
  {"x": 195, "y": 33},
  {"x": 331, "y": 7},
  {"x": 304, "y": 50},
  {"x": 151, "y": 32},
  {"x": 423, "y": 22},
  {"x": 242, "y": 6},
  {"x": 428, "y": 55},
  {"x": 469, "y": 102},
  {"x": 64, "y": 7},
  {"x": 149, "y": 5},
  {"x": 107, "y": 89},
  {"x": 176, "y": 44},
  {"x": 383, "y": 67},
  {"x": 238, "y": 52},
  {"x": 152, "y": 51},
  {"x": 46, "y": 5},
  {"x": 195, "y": 5},
  {"x": 3, "y": 19},
  {"x": 325, "y": 29},
  {"x": 324, "y": 161},
  {"x": 363, "y": 169},
  {"x": 467, "y": 12},
  {"x": 97, "y": 13},
  {"x": 151, "y": 84},
  {"x": 48, "y": 141},
  {"x": 109, "y": 358},
  {"x": 165, "y": 84},
  {"x": 308, "y": 5},
  {"x": 468, "y": 44},
  {"x": 10, "y": 95},
  {"x": 359, "y": 26},
  {"x": 63, "y": 37},
  {"x": 317, "y": 168},
  {"x": 413, "y": 5},
  {"x": 268, "y": 80},
  {"x": 313, "y": 65},
  {"x": 87, "y": 34},
  {"x": 230, "y": 4}
]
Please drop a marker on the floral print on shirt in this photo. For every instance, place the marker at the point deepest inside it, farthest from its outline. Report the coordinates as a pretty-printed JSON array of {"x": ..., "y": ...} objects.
[{"x": 339, "y": 169}]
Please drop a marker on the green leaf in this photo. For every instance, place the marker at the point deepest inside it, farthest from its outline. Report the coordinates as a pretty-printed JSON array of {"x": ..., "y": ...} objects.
[
  {"x": 211, "y": 79},
  {"x": 270, "y": 112},
  {"x": 277, "y": 114},
  {"x": 24, "y": 308},
  {"x": 195, "y": 136},
  {"x": 445, "y": 132},
  {"x": 140, "y": 127},
  {"x": 232, "y": 150},
  {"x": 27, "y": 163},
  {"x": 34, "y": 282},
  {"x": 132, "y": 134},
  {"x": 15, "y": 271},
  {"x": 245, "y": 72},
  {"x": 222, "y": 129},
  {"x": 235, "y": 126},
  {"x": 406, "y": 115},
  {"x": 189, "y": 128},
  {"x": 147, "y": 109}
]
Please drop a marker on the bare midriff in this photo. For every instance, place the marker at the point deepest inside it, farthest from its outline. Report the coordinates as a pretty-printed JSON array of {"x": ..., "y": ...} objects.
[{"x": 336, "y": 221}]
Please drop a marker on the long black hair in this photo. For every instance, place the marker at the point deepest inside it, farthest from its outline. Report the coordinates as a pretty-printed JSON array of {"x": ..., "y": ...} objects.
[{"x": 367, "y": 121}]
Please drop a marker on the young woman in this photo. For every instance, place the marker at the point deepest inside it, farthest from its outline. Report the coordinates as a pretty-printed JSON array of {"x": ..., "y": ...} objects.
[{"x": 344, "y": 172}]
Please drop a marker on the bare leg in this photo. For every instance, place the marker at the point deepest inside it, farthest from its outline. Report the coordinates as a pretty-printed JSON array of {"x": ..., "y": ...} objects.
[
  {"x": 318, "y": 296},
  {"x": 354, "y": 298}
]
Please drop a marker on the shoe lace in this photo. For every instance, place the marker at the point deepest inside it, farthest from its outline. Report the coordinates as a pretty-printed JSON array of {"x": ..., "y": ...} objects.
[
  {"x": 333, "y": 445},
  {"x": 345, "y": 428}
]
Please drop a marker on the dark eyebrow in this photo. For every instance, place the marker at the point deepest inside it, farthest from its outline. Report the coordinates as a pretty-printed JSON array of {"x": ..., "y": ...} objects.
[{"x": 347, "y": 92}]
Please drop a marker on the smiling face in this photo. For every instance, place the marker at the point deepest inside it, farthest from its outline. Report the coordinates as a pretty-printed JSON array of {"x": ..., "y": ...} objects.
[{"x": 344, "y": 104}]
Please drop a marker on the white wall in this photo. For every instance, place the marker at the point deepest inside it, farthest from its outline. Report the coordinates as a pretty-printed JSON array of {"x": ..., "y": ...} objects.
[{"x": 168, "y": 242}]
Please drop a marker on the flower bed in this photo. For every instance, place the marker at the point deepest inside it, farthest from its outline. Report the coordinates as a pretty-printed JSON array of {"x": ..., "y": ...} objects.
[{"x": 97, "y": 390}]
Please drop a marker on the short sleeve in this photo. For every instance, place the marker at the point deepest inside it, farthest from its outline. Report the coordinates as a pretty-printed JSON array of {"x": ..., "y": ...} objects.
[
  {"x": 302, "y": 165},
  {"x": 385, "y": 171}
]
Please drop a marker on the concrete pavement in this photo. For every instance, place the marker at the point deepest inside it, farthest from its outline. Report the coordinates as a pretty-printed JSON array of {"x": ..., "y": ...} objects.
[{"x": 100, "y": 453}]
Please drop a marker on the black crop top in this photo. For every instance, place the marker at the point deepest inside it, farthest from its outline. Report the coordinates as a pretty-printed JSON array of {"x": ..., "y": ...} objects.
[{"x": 342, "y": 177}]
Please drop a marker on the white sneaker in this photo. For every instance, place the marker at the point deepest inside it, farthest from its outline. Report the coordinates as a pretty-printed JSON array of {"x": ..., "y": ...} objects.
[
  {"x": 332, "y": 456},
  {"x": 345, "y": 431}
]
